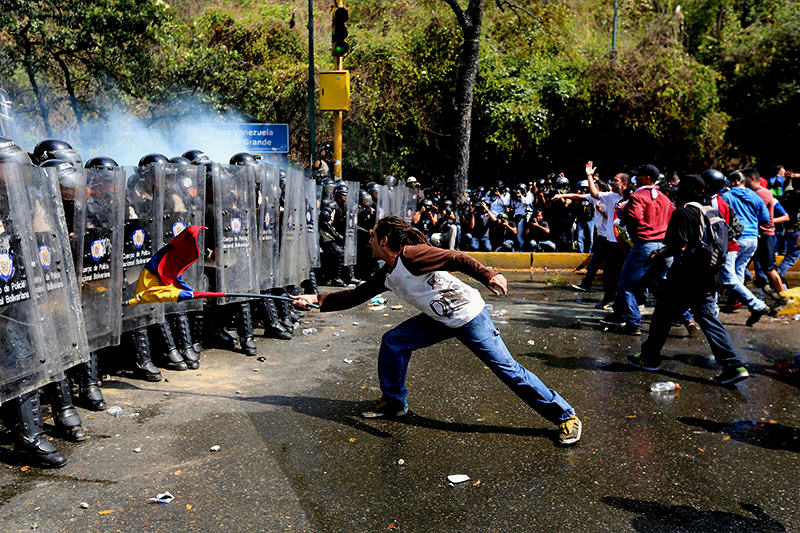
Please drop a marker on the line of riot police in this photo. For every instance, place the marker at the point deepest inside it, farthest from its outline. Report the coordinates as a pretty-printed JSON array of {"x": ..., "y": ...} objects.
[{"x": 74, "y": 239}]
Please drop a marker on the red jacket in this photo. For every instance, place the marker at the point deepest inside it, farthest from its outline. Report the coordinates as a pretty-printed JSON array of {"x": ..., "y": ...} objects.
[{"x": 647, "y": 214}]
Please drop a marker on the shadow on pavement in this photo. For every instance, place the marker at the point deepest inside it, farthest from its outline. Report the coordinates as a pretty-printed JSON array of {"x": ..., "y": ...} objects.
[
  {"x": 348, "y": 413},
  {"x": 659, "y": 517},
  {"x": 763, "y": 434}
]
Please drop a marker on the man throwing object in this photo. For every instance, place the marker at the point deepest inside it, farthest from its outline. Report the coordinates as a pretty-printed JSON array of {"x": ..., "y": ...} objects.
[{"x": 418, "y": 274}]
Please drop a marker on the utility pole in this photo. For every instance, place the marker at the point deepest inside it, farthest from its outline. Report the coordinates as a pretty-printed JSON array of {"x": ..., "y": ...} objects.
[
  {"x": 312, "y": 129},
  {"x": 339, "y": 48}
]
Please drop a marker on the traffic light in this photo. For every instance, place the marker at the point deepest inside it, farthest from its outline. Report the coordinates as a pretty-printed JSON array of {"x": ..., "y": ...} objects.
[{"x": 340, "y": 46}]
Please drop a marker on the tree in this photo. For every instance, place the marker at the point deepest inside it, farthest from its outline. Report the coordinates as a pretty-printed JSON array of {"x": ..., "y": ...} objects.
[{"x": 469, "y": 20}]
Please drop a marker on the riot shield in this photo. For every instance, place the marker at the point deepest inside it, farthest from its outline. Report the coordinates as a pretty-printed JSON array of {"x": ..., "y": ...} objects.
[
  {"x": 234, "y": 230},
  {"x": 98, "y": 223},
  {"x": 390, "y": 202},
  {"x": 24, "y": 364},
  {"x": 268, "y": 199},
  {"x": 142, "y": 239},
  {"x": 351, "y": 222},
  {"x": 184, "y": 206},
  {"x": 64, "y": 326},
  {"x": 313, "y": 194},
  {"x": 8, "y": 126},
  {"x": 294, "y": 250},
  {"x": 410, "y": 203}
]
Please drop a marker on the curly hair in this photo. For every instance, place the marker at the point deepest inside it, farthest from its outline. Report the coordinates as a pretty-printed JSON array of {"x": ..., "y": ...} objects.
[{"x": 399, "y": 233}]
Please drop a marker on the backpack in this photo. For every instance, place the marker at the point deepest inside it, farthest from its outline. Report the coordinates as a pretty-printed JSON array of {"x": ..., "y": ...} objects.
[{"x": 710, "y": 251}]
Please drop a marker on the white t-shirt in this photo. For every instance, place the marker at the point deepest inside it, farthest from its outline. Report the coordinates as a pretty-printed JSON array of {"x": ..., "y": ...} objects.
[
  {"x": 599, "y": 220},
  {"x": 609, "y": 201}
]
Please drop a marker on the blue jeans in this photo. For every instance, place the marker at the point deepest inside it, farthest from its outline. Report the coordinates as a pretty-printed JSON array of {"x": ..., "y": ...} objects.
[
  {"x": 478, "y": 245},
  {"x": 636, "y": 268},
  {"x": 483, "y": 339},
  {"x": 792, "y": 253},
  {"x": 747, "y": 249},
  {"x": 585, "y": 235},
  {"x": 674, "y": 302},
  {"x": 539, "y": 246},
  {"x": 730, "y": 280}
]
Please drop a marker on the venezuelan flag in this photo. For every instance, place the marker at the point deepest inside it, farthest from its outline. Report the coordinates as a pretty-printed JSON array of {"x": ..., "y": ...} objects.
[{"x": 160, "y": 280}]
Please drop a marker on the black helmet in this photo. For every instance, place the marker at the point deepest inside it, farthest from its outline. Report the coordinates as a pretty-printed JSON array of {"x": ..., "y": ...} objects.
[
  {"x": 562, "y": 183},
  {"x": 390, "y": 180},
  {"x": 541, "y": 183},
  {"x": 179, "y": 161},
  {"x": 499, "y": 184},
  {"x": 714, "y": 180},
  {"x": 364, "y": 195},
  {"x": 10, "y": 152},
  {"x": 196, "y": 156},
  {"x": 340, "y": 190},
  {"x": 150, "y": 159},
  {"x": 427, "y": 203},
  {"x": 102, "y": 162},
  {"x": 447, "y": 204},
  {"x": 521, "y": 187},
  {"x": 67, "y": 175},
  {"x": 243, "y": 158},
  {"x": 56, "y": 149}
]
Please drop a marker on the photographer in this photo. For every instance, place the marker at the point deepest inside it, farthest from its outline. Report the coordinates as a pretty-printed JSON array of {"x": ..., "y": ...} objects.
[
  {"x": 536, "y": 234},
  {"x": 445, "y": 232},
  {"x": 425, "y": 219},
  {"x": 503, "y": 234},
  {"x": 480, "y": 222}
]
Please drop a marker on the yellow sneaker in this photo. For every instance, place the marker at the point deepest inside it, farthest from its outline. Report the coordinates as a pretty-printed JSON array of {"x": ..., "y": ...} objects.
[{"x": 570, "y": 431}]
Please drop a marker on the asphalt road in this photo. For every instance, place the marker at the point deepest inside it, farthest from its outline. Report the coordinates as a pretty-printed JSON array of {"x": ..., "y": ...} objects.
[{"x": 295, "y": 454}]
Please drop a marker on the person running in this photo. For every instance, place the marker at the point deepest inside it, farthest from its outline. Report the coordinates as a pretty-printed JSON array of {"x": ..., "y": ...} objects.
[
  {"x": 691, "y": 284},
  {"x": 418, "y": 274}
]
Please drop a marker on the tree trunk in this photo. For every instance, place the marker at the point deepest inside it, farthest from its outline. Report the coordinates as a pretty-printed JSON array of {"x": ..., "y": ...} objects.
[
  {"x": 468, "y": 65},
  {"x": 39, "y": 98},
  {"x": 73, "y": 100}
]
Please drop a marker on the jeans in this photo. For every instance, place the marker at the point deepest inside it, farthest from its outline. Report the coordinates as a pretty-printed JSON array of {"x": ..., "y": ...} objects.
[
  {"x": 539, "y": 246},
  {"x": 585, "y": 235},
  {"x": 730, "y": 280},
  {"x": 483, "y": 339},
  {"x": 747, "y": 249},
  {"x": 702, "y": 304},
  {"x": 792, "y": 253},
  {"x": 599, "y": 249},
  {"x": 636, "y": 267},
  {"x": 478, "y": 245}
]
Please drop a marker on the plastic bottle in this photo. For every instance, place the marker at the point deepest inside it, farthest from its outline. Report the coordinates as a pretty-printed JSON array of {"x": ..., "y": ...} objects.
[{"x": 664, "y": 386}]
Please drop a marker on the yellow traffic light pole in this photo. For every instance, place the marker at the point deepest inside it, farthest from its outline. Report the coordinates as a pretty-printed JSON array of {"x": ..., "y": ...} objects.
[{"x": 338, "y": 118}]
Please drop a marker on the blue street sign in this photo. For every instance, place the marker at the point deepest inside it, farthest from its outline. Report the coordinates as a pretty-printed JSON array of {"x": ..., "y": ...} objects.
[{"x": 259, "y": 138}]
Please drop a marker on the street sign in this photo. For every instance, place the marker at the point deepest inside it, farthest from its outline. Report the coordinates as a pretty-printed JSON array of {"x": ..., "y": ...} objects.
[{"x": 259, "y": 137}]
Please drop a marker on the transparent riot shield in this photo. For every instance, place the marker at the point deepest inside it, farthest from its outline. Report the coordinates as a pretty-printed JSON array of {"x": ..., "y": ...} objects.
[
  {"x": 8, "y": 126},
  {"x": 24, "y": 363},
  {"x": 184, "y": 206},
  {"x": 98, "y": 228},
  {"x": 268, "y": 200},
  {"x": 351, "y": 223},
  {"x": 142, "y": 239},
  {"x": 312, "y": 221},
  {"x": 294, "y": 251},
  {"x": 64, "y": 326},
  {"x": 234, "y": 230},
  {"x": 390, "y": 202},
  {"x": 410, "y": 203}
]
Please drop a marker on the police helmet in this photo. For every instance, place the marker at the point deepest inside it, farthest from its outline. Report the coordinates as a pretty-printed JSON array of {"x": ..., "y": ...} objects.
[
  {"x": 67, "y": 175},
  {"x": 10, "y": 152},
  {"x": 56, "y": 149},
  {"x": 364, "y": 195},
  {"x": 244, "y": 159},
  {"x": 390, "y": 180},
  {"x": 102, "y": 162},
  {"x": 179, "y": 161},
  {"x": 714, "y": 180},
  {"x": 340, "y": 190},
  {"x": 370, "y": 185},
  {"x": 196, "y": 156},
  {"x": 151, "y": 159}
]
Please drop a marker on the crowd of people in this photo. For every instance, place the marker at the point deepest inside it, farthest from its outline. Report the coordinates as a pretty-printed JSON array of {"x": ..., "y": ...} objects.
[{"x": 278, "y": 232}]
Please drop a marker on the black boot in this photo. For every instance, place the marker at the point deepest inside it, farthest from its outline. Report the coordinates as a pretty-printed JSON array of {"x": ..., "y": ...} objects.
[
  {"x": 90, "y": 395},
  {"x": 350, "y": 275},
  {"x": 68, "y": 422},
  {"x": 310, "y": 285},
  {"x": 296, "y": 314},
  {"x": 272, "y": 325},
  {"x": 244, "y": 327},
  {"x": 182, "y": 333},
  {"x": 172, "y": 359},
  {"x": 216, "y": 335},
  {"x": 140, "y": 344},
  {"x": 284, "y": 309},
  {"x": 24, "y": 418},
  {"x": 196, "y": 329}
]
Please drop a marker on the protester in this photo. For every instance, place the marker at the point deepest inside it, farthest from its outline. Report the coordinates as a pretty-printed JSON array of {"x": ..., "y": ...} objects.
[{"x": 418, "y": 273}]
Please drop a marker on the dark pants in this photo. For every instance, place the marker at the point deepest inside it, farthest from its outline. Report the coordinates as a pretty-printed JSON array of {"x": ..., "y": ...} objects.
[
  {"x": 671, "y": 304},
  {"x": 597, "y": 260}
]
